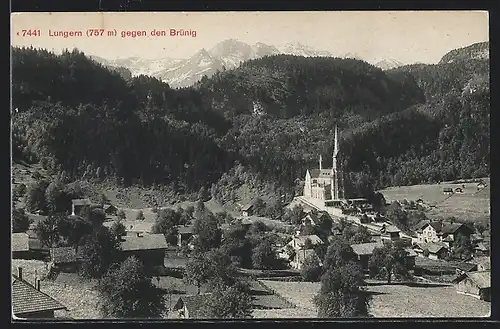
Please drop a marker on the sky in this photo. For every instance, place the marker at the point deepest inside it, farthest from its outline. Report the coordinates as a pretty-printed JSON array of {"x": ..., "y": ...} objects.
[{"x": 406, "y": 36}]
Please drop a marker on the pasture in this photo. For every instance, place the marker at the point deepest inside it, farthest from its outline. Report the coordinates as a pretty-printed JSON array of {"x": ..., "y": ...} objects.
[{"x": 471, "y": 205}]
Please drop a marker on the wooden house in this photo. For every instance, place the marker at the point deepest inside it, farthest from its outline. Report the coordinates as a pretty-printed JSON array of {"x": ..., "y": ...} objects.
[
  {"x": 364, "y": 251},
  {"x": 28, "y": 302},
  {"x": 247, "y": 210},
  {"x": 434, "y": 250},
  {"x": 191, "y": 306},
  {"x": 390, "y": 233},
  {"x": 476, "y": 284},
  {"x": 26, "y": 246},
  {"x": 149, "y": 248}
]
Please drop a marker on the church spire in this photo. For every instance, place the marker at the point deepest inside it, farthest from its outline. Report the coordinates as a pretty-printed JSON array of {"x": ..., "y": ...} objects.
[{"x": 320, "y": 162}]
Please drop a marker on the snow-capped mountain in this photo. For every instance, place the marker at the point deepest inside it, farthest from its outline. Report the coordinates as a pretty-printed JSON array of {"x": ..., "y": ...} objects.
[
  {"x": 299, "y": 49},
  {"x": 387, "y": 64},
  {"x": 227, "y": 55}
]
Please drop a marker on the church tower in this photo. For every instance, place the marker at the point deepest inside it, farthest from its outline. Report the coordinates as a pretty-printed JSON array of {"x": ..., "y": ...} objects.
[{"x": 337, "y": 191}]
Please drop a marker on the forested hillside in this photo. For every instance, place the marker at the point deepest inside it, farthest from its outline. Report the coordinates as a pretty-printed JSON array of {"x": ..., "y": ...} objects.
[{"x": 268, "y": 121}]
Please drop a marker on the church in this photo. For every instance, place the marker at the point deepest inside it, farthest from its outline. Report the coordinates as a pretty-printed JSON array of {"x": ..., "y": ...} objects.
[{"x": 326, "y": 184}]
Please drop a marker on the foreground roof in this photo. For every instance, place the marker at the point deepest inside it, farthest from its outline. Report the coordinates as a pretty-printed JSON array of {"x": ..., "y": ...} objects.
[
  {"x": 27, "y": 299},
  {"x": 481, "y": 278},
  {"x": 316, "y": 173},
  {"x": 146, "y": 242}
]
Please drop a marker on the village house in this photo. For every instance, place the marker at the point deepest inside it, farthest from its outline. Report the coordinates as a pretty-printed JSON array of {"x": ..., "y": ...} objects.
[
  {"x": 390, "y": 233},
  {"x": 316, "y": 218},
  {"x": 364, "y": 251},
  {"x": 476, "y": 284},
  {"x": 25, "y": 246},
  {"x": 299, "y": 241},
  {"x": 64, "y": 259},
  {"x": 301, "y": 256},
  {"x": 434, "y": 250},
  {"x": 150, "y": 249},
  {"x": 184, "y": 233},
  {"x": 110, "y": 210},
  {"x": 247, "y": 210},
  {"x": 28, "y": 302},
  {"x": 190, "y": 306},
  {"x": 434, "y": 231}
]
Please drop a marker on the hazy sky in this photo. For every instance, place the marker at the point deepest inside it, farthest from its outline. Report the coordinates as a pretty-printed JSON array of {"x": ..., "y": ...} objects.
[{"x": 408, "y": 37}]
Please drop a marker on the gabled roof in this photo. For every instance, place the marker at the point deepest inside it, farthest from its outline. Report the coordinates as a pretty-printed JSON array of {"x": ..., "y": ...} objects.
[
  {"x": 316, "y": 173},
  {"x": 185, "y": 229},
  {"x": 481, "y": 247},
  {"x": 481, "y": 278},
  {"x": 421, "y": 225},
  {"x": 134, "y": 225},
  {"x": 466, "y": 267},
  {"x": 63, "y": 255},
  {"x": 390, "y": 229},
  {"x": 146, "y": 242},
  {"x": 194, "y": 304},
  {"x": 80, "y": 202},
  {"x": 453, "y": 228},
  {"x": 27, "y": 299},
  {"x": 247, "y": 207},
  {"x": 363, "y": 249},
  {"x": 433, "y": 247},
  {"x": 301, "y": 239}
]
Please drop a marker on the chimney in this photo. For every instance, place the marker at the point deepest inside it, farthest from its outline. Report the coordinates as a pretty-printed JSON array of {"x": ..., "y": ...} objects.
[
  {"x": 20, "y": 272},
  {"x": 38, "y": 284}
]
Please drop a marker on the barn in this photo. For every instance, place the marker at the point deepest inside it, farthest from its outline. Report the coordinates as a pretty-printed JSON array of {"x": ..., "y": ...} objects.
[{"x": 476, "y": 284}]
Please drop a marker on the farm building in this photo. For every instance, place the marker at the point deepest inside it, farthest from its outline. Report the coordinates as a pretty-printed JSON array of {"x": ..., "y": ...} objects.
[
  {"x": 64, "y": 259},
  {"x": 364, "y": 251},
  {"x": 390, "y": 232},
  {"x": 301, "y": 256},
  {"x": 247, "y": 210},
  {"x": 476, "y": 284},
  {"x": 28, "y": 302},
  {"x": 25, "y": 246},
  {"x": 78, "y": 204},
  {"x": 434, "y": 250},
  {"x": 150, "y": 249},
  {"x": 184, "y": 234},
  {"x": 299, "y": 241},
  {"x": 191, "y": 306}
]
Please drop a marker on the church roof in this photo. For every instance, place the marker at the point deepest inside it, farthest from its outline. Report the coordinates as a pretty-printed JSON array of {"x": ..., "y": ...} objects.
[{"x": 316, "y": 173}]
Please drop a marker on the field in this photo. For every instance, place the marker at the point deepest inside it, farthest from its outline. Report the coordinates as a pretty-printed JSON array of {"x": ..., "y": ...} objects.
[
  {"x": 472, "y": 205},
  {"x": 391, "y": 300}
]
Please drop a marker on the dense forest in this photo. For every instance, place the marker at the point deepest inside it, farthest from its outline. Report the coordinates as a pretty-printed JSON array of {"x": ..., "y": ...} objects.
[{"x": 262, "y": 124}]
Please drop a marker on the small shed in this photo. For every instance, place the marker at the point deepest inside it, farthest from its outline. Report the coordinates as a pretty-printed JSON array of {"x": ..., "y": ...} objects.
[
  {"x": 476, "y": 284},
  {"x": 247, "y": 210},
  {"x": 149, "y": 248},
  {"x": 184, "y": 233},
  {"x": 78, "y": 204},
  {"x": 191, "y": 306},
  {"x": 364, "y": 251}
]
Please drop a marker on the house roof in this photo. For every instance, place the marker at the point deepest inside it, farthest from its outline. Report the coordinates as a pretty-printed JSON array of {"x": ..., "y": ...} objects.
[
  {"x": 411, "y": 252},
  {"x": 451, "y": 228},
  {"x": 80, "y": 202},
  {"x": 247, "y": 207},
  {"x": 314, "y": 239},
  {"x": 421, "y": 225},
  {"x": 194, "y": 304},
  {"x": 63, "y": 255},
  {"x": 391, "y": 229},
  {"x": 146, "y": 242},
  {"x": 109, "y": 206},
  {"x": 27, "y": 299},
  {"x": 466, "y": 267},
  {"x": 185, "y": 229},
  {"x": 363, "y": 249},
  {"x": 302, "y": 255},
  {"x": 20, "y": 242},
  {"x": 481, "y": 278},
  {"x": 134, "y": 225},
  {"x": 316, "y": 173},
  {"x": 433, "y": 247}
]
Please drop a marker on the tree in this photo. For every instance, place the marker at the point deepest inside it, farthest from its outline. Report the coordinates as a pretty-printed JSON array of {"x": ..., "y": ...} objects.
[
  {"x": 259, "y": 207},
  {"x": 100, "y": 250},
  {"x": 197, "y": 271},
  {"x": 20, "y": 221},
  {"x": 462, "y": 247},
  {"x": 140, "y": 216},
  {"x": 294, "y": 215},
  {"x": 342, "y": 293},
  {"x": 73, "y": 229},
  {"x": 127, "y": 292},
  {"x": 311, "y": 270},
  {"x": 48, "y": 229},
  {"x": 388, "y": 260},
  {"x": 19, "y": 190},
  {"x": 203, "y": 194},
  {"x": 207, "y": 231},
  {"x": 360, "y": 234},
  {"x": 118, "y": 229},
  {"x": 53, "y": 194},
  {"x": 229, "y": 302},
  {"x": 165, "y": 223},
  {"x": 307, "y": 244},
  {"x": 339, "y": 253},
  {"x": 121, "y": 214},
  {"x": 35, "y": 197},
  {"x": 263, "y": 255}
]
